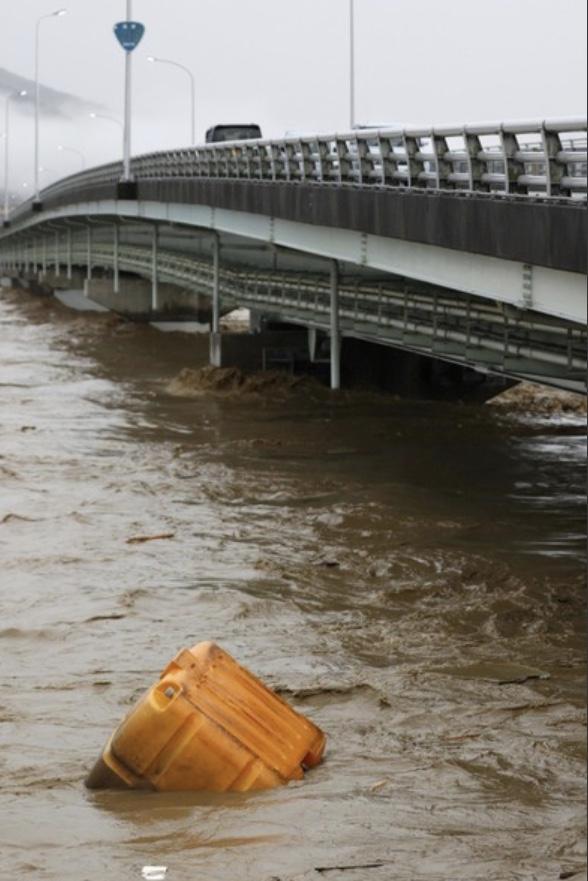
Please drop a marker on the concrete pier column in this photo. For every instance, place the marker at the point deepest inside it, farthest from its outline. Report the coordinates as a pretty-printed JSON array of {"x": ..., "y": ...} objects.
[
  {"x": 335, "y": 329},
  {"x": 57, "y": 260},
  {"x": 154, "y": 268},
  {"x": 44, "y": 256},
  {"x": 89, "y": 251},
  {"x": 216, "y": 284},
  {"x": 215, "y": 335},
  {"x": 255, "y": 321},
  {"x": 116, "y": 267},
  {"x": 312, "y": 344},
  {"x": 69, "y": 253}
]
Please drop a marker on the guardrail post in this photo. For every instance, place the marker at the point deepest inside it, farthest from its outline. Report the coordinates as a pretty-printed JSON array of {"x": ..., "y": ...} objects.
[
  {"x": 335, "y": 329},
  {"x": 344, "y": 165},
  {"x": 116, "y": 249},
  {"x": 154, "y": 277},
  {"x": 442, "y": 168},
  {"x": 554, "y": 172},
  {"x": 513, "y": 167},
  {"x": 414, "y": 165},
  {"x": 476, "y": 168},
  {"x": 389, "y": 162}
]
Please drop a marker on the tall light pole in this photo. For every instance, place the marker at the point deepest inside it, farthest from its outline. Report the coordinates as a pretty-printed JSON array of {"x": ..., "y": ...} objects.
[
  {"x": 8, "y": 99},
  {"x": 57, "y": 14},
  {"x": 129, "y": 33},
  {"x": 74, "y": 150},
  {"x": 109, "y": 118},
  {"x": 352, "y": 63},
  {"x": 128, "y": 109},
  {"x": 187, "y": 70}
]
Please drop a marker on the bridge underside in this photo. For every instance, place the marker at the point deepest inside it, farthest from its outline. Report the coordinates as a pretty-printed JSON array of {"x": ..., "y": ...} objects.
[{"x": 385, "y": 291}]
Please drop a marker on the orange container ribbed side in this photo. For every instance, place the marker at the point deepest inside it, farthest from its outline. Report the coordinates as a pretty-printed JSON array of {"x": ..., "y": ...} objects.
[{"x": 208, "y": 724}]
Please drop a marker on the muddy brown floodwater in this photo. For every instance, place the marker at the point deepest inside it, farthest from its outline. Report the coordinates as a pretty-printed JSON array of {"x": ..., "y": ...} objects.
[{"x": 408, "y": 574}]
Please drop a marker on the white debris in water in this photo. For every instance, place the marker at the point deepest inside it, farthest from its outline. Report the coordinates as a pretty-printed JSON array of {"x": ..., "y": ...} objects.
[{"x": 154, "y": 873}]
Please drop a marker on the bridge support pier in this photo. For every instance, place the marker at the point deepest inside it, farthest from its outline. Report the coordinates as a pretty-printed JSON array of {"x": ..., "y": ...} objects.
[
  {"x": 312, "y": 344},
  {"x": 216, "y": 304},
  {"x": 57, "y": 260},
  {"x": 154, "y": 269},
  {"x": 116, "y": 267},
  {"x": 215, "y": 335},
  {"x": 89, "y": 249},
  {"x": 69, "y": 253},
  {"x": 216, "y": 350},
  {"x": 335, "y": 329}
]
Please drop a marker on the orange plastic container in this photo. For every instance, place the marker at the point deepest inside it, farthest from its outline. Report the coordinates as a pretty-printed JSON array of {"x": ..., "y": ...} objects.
[{"x": 208, "y": 724}]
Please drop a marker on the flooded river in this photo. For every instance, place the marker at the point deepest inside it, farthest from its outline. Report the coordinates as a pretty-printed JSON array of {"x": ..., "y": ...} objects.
[{"x": 408, "y": 574}]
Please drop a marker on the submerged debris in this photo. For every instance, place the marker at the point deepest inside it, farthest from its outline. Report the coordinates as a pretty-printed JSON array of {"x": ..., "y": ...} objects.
[
  {"x": 143, "y": 539},
  {"x": 323, "y": 870},
  {"x": 9, "y": 518}
]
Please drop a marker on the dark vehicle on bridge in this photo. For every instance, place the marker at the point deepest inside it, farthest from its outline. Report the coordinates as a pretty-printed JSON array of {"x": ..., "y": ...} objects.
[{"x": 233, "y": 132}]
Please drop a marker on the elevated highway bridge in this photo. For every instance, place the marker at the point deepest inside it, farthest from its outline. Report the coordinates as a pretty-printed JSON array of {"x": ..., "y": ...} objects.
[{"x": 463, "y": 244}]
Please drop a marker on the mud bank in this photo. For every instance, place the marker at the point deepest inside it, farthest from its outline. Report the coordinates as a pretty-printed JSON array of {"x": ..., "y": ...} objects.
[
  {"x": 534, "y": 399},
  {"x": 232, "y": 382}
]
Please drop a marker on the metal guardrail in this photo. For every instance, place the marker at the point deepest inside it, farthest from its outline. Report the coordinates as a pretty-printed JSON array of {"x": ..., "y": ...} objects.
[
  {"x": 466, "y": 328},
  {"x": 547, "y": 158}
]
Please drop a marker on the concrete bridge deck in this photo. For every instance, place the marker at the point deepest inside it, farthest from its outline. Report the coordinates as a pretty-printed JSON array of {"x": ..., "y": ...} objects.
[{"x": 471, "y": 253}]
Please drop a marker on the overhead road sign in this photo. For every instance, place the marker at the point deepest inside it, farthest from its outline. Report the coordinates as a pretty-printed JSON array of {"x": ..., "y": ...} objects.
[{"x": 129, "y": 34}]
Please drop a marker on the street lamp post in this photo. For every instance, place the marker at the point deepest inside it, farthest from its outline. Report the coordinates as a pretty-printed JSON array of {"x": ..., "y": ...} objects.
[
  {"x": 128, "y": 109},
  {"x": 57, "y": 14},
  {"x": 109, "y": 118},
  {"x": 8, "y": 99},
  {"x": 186, "y": 70},
  {"x": 77, "y": 152},
  {"x": 129, "y": 34},
  {"x": 352, "y": 62}
]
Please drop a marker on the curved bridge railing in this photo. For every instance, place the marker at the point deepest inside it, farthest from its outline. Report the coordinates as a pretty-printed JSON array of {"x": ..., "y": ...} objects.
[
  {"x": 546, "y": 158},
  {"x": 466, "y": 330}
]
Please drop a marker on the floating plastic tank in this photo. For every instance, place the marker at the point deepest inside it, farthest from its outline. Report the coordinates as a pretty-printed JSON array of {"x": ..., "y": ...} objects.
[{"x": 208, "y": 724}]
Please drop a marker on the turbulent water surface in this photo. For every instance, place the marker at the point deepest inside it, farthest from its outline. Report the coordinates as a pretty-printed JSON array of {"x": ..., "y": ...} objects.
[{"x": 408, "y": 574}]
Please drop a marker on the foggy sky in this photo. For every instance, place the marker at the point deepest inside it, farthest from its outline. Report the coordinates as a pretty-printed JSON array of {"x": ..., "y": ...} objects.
[{"x": 285, "y": 65}]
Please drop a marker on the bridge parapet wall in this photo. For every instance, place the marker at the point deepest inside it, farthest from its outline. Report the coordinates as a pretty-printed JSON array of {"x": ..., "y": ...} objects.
[{"x": 514, "y": 190}]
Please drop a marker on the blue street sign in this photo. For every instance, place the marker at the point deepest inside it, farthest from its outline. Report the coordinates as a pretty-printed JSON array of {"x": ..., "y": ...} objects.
[{"x": 129, "y": 34}]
